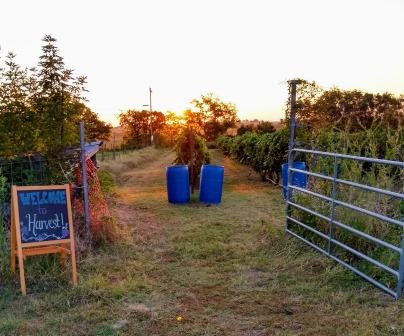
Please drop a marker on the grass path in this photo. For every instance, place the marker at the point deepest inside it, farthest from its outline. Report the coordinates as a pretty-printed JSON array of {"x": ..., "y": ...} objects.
[{"x": 201, "y": 270}]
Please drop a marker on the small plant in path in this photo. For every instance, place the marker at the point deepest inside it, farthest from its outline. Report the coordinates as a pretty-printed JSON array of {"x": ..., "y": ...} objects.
[{"x": 191, "y": 150}]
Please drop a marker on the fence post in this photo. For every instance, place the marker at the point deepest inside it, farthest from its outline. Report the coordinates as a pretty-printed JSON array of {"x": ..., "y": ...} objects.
[
  {"x": 400, "y": 270},
  {"x": 292, "y": 84},
  {"x": 84, "y": 182},
  {"x": 332, "y": 206}
]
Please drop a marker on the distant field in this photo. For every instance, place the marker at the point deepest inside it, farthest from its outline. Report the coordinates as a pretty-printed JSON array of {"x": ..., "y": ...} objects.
[{"x": 116, "y": 138}]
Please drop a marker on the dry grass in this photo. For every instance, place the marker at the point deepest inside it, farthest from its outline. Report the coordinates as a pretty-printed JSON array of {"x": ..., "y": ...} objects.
[
  {"x": 123, "y": 167},
  {"x": 199, "y": 270},
  {"x": 116, "y": 138}
]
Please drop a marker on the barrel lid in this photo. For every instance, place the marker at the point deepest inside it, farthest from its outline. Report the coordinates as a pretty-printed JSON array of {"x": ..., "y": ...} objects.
[
  {"x": 212, "y": 166},
  {"x": 177, "y": 166}
]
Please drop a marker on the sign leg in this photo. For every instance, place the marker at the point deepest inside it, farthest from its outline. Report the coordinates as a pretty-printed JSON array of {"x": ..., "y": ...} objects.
[
  {"x": 13, "y": 247},
  {"x": 22, "y": 273},
  {"x": 63, "y": 256},
  {"x": 74, "y": 267}
]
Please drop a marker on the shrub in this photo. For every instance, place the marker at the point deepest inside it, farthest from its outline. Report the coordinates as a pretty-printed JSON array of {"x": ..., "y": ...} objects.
[
  {"x": 193, "y": 157},
  {"x": 265, "y": 153},
  {"x": 106, "y": 180}
]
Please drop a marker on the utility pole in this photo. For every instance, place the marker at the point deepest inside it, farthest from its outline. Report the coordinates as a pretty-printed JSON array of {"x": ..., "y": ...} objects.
[{"x": 151, "y": 116}]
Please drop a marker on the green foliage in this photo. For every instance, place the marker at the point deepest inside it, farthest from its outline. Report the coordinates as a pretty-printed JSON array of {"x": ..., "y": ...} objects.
[
  {"x": 16, "y": 112},
  {"x": 261, "y": 128},
  {"x": 265, "y": 153},
  {"x": 350, "y": 122},
  {"x": 96, "y": 129},
  {"x": 356, "y": 123},
  {"x": 166, "y": 136},
  {"x": 106, "y": 180},
  {"x": 215, "y": 115},
  {"x": 378, "y": 141},
  {"x": 237, "y": 251},
  {"x": 139, "y": 125},
  {"x": 350, "y": 110},
  {"x": 193, "y": 156},
  {"x": 40, "y": 107},
  {"x": 265, "y": 127},
  {"x": 57, "y": 102},
  {"x": 244, "y": 129},
  {"x": 375, "y": 175}
]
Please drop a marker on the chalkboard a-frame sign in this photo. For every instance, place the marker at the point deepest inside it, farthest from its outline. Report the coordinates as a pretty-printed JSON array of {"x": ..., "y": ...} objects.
[{"x": 41, "y": 223}]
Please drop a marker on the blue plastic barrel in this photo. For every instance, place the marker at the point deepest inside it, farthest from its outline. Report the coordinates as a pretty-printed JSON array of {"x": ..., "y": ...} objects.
[
  {"x": 178, "y": 184},
  {"x": 211, "y": 185},
  {"x": 298, "y": 179}
]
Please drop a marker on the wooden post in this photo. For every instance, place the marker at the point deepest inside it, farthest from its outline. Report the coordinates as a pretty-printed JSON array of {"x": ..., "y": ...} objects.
[
  {"x": 18, "y": 240},
  {"x": 72, "y": 244}
]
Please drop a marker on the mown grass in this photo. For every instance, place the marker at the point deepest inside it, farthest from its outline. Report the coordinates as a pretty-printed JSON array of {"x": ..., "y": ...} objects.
[{"x": 198, "y": 270}]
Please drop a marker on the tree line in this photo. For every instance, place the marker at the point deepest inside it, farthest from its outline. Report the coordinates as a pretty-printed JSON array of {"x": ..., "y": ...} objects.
[
  {"x": 40, "y": 107},
  {"x": 334, "y": 120},
  {"x": 349, "y": 121},
  {"x": 210, "y": 118}
]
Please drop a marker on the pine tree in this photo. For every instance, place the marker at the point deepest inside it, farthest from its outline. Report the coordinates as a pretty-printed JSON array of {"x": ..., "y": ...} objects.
[
  {"x": 40, "y": 108},
  {"x": 59, "y": 96},
  {"x": 16, "y": 114}
]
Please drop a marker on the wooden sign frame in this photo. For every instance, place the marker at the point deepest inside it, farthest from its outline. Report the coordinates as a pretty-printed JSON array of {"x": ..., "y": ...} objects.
[{"x": 20, "y": 250}]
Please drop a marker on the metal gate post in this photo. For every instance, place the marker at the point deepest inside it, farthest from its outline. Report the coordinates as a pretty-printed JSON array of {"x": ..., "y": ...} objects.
[
  {"x": 292, "y": 84},
  {"x": 400, "y": 278}
]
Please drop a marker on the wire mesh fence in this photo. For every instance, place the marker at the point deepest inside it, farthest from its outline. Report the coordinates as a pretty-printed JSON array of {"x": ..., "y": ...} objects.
[
  {"x": 36, "y": 170},
  {"x": 115, "y": 153}
]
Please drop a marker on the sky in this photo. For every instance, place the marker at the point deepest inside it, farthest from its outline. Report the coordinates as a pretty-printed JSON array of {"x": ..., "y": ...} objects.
[{"x": 242, "y": 51}]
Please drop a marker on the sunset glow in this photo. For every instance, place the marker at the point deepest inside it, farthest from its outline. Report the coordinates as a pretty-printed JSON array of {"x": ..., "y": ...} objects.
[{"x": 243, "y": 51}]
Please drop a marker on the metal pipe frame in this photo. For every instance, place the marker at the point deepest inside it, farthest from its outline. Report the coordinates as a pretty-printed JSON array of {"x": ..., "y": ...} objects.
[
  {"x": 350, "y": 206},
  {"x": 350, "y": 157},
  {"x": 352, "y": 184},
  {"x": 332, "y": 223},
  {"x": 351, "y": 268},
  {"x": 345, "y": 247},
  {"x": 348, "y": 228}
]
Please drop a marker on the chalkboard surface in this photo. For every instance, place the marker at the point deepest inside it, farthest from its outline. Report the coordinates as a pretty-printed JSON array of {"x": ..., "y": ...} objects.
[{"x": 43, "y": 215}]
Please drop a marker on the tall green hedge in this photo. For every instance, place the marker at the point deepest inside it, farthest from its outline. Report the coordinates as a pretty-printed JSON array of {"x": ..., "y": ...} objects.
[{"x": 265, "y": 153}]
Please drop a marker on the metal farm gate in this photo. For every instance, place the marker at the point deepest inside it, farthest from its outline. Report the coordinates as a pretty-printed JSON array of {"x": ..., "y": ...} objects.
[
  {"x": 333, "y": 201},
  {"x": 324, "y": 238}
]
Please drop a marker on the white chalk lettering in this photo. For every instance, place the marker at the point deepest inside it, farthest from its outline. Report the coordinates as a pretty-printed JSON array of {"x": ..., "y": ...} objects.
[{"x": 35, "y": 226}]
